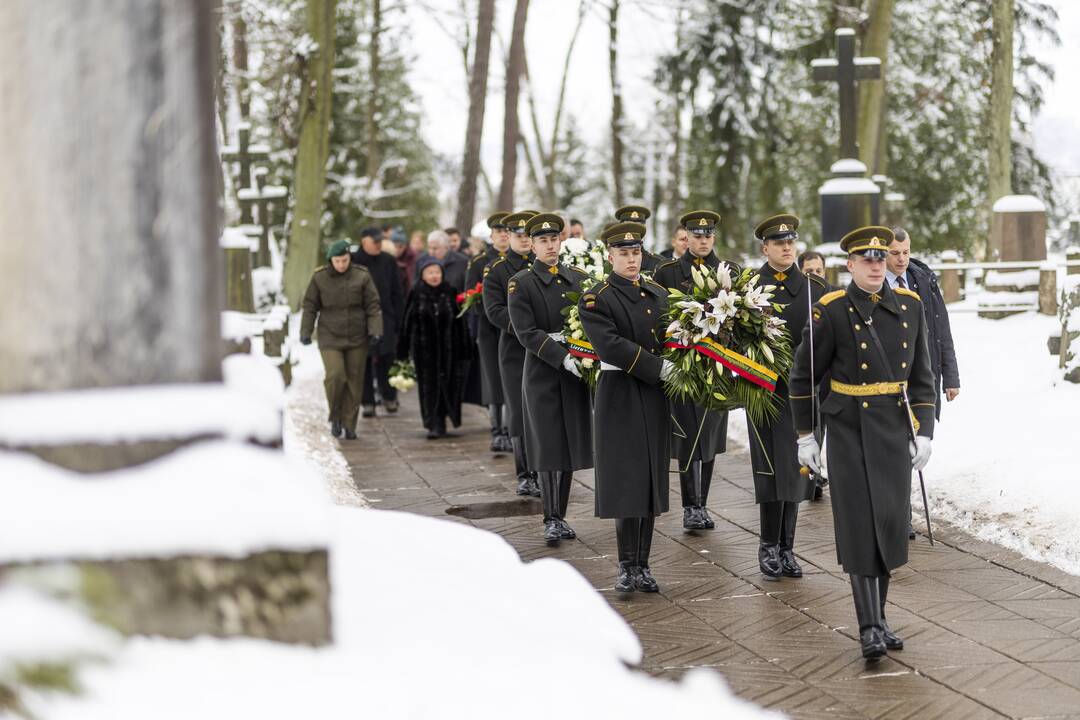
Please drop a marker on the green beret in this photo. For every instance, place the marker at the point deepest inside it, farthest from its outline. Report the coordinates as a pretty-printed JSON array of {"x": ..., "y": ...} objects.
[
  {"x": 632, "y": 213},
  {"x": 544, "y": 224},
  {"x": 700, "y": 222},
  {"x": 624, "y": 234},
  {"x": 338, "y": 247},
  {"x": 872, "y": 241},
  {"x": 777, "y": 227}
]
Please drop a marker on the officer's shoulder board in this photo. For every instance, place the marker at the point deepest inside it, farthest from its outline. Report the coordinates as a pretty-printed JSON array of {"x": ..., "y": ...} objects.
[
  {"x": 579, "y": 271},
  {"x": 815, "y": 279},
  {"x": 910, "y": 293},
  {"x": 512, "y": 286},
  {"x": 829, "y": 297},
  {"x": 319, "y": 269},
  {"x": 490, "y": 266},
  {"x": 658, "y": 286},
  {"x": 663, "y": 265},
  {"x": 477, "y": 259}
]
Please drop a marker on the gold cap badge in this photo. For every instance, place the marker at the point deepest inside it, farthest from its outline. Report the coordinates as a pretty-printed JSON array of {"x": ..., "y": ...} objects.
[
  {"x": 634, "y": 214},
  {"x": 628, "y": 236},
  {"x": 545, "y": 226},
  {"x": 702, "y": 222},
  {"x": 782, "y": 228}
]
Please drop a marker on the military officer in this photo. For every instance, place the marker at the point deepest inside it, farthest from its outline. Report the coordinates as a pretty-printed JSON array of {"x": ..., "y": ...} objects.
[
  {"x": 558, "y": 414},
  {"x": 699, "y": 434},
  {"x": 639, "y": 214},
  {"x": 623, "y": 318},
  {"x": 511, "y": 354},
  {"x": 779, "y": 486},
  {"x": 872, "y": 340},
  {"x": 487, "y": 335}
]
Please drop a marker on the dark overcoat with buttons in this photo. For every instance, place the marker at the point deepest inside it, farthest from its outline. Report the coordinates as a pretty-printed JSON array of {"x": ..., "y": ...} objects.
[
  {"x": 487, "y": 335},
  {"x": 631, "y": 425},
  {"x": 869, "y": 461},
  {"x": 511, "y": 353},
  {"x": 774, "y": 453},
  {"x": 558, "y": 413},
  {"x": 698, "y": 434}
]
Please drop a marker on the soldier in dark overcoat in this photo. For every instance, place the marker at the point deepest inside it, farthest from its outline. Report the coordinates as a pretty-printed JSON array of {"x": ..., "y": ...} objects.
[
  {"x": 699, "y": 434},
  {"x": 872, "y": 340},
  {"x": 558, "y": 412},
  {"x": 780, "y": 484},
  {"x": 639, "y": 214},
  {"x": 623, "y": 319},
  {"x": 487, "y": 335},
  {"x": 511, "y": 353}
]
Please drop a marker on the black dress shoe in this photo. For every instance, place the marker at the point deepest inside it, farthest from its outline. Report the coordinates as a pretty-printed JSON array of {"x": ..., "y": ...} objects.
[
  {"x": 873, "y": 643},
  {"x": 566, "y": 532},
  {"x": 523, "y": 486},
  {"x": 769, "y": 561},
  {"x": 335, "y": 429},
  {"x": 534, "y": 486},
  {"x": 789, "y": 566},
  {"x": 369, "y": 411},
  {"x": 707, "y": 521},
  {"x": 910, "y": 532},
  {"x": 644, "y": 581},
  {"x": 624, "y": 582},
  {"x": 892, "y": 640},
  {"x": 390, "y": 406},
  {"x": 692, "y": 519},
  {"x": 350, "y": 434},
  {"x": 505, "y": 445},
  {"x": 818, "y": 492},
  {"x": 552, "y": 531},
  {"x": 433, "y": 434}
]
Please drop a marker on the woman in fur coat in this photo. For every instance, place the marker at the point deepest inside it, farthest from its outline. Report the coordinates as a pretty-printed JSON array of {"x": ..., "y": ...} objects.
[{"x": 438, "y": 343}]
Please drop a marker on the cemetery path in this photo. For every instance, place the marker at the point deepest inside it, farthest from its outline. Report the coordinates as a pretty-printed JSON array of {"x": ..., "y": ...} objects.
[{"x": 988, "y": 633}]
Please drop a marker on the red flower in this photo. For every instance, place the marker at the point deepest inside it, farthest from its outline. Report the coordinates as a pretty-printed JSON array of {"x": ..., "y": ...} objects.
[{"x": 461, "y": 298}]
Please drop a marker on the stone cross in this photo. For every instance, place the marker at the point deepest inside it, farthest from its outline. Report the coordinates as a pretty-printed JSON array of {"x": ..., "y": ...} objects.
[
  {"x": 244, "y": 153},
  {"x": 846, "y": 70}
]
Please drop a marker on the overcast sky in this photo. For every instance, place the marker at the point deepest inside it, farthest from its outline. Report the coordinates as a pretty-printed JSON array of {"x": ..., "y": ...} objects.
[{"x": 646, "y": 30}]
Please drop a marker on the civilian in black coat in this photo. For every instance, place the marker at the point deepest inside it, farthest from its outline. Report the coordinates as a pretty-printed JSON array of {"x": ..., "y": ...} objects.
[{"x": 384, "y": 270}]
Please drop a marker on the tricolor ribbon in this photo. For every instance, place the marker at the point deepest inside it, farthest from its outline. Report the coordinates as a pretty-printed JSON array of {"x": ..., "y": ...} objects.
[
  {"x": 581, "y": 348},
  {"x": 739, "y": 364}
]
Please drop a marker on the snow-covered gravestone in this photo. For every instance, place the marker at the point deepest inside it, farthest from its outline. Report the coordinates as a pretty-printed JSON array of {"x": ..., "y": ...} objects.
[
  {"x": 849, "y": 199},
  {"x": 123, "y": 455},
  {"x": 1017, "y": 232}
]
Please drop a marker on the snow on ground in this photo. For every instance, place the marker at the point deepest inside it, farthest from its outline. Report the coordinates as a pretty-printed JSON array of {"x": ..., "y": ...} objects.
[
  {"x": 432, "y": 619},
  {"x": 307, "y": 430}
]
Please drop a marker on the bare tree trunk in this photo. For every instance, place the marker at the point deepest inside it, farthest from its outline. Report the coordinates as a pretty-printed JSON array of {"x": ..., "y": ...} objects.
[
  {"x": 552, "y": 159},
  {"x": 240, "y": 63},
  {"x": 474, "y": 132},
  {"x": 107, "y": 135},
  {"x": 371, "y": 128},
  {"x": 1001, "y": 101},
  {"x": 872, "y": 116},
  {"x": 515, "y": 66},
  {"x": 616, "y": 104},
  {"x": 305, "y": 237}
]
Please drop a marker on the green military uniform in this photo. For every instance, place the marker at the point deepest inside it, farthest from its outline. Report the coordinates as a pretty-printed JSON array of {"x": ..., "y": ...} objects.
[
  {"x": 623, "y": 320},
  {"x": 487, "y": 342},
  {"x": 511, "y": 353},
  {"x": 779, "y": 486},
  {"x": 866, "y": 423},
  {"x": 699, "y": 434},
  {"x": 557, "y": 408},
  {"x": 345, "y": 308},
  {"x": 639, "y": 214}
]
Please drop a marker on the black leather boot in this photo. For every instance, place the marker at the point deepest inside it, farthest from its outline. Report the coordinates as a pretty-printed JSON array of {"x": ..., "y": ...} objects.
[
  {"x": 565, "y": 480},
  {"x": 892, "y": 640},
  {"x": 643, "y": 579},
  {"x": 706, "y": 483},
  {"x": 549, "y": 496},
  {"x": 626, "y": 537},
  {"x": 504, "y": 431},
  {"x": 691, "y": 499},
  {"x": 864, "y": 590},
  {"x": 771, "y": 517},
  {"x": 495, "y": 416},
  {"x": 523, "y": 475},
  {"x": 788, "y": 564},
  {"x": 335, "y": 428}
]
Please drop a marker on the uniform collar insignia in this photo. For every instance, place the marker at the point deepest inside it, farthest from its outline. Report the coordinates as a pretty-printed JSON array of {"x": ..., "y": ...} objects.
[{"x": 781, "y": 276}]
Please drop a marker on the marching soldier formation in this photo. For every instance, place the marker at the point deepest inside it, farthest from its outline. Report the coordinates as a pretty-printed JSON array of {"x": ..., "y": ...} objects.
[{"x": 866, "y": 345}]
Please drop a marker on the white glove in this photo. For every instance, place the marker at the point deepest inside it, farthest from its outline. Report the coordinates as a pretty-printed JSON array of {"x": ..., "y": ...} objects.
[
  {"x": 666, "y": 368},
  {"x": 810, "y": 453},
  {"x": 920, "y": 452},
  {"x": 570, "y": 365}
]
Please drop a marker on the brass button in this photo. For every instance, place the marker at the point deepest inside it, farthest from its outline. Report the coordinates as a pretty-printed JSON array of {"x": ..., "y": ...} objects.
[
  {"x": 858, "y": 326},
  {"x": 905, "y": 323},
  {"x": 865, "y": 366},
  {"x": 903, "y": 364},
  {"x": 903, "y": 307},
  {"x": 850, "y": 310},
  {"x": 865, "y": 404},
  {"x": 862, "y": 345},
  {"x": 898, "y": 403},
  {"x": 642, "y": 294},
  {"x": 904, "y": 344},
  {"x": 558, "y": 281},
  {"x": 647, "y": 310}
]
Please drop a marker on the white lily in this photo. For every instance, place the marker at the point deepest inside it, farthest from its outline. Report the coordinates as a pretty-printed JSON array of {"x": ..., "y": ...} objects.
[
  {"x": 698, "y": 281},
  {"x": 723, "y": 273},
  {"x": 693, "y": 307},
  {"x": 724, "y": 304}
]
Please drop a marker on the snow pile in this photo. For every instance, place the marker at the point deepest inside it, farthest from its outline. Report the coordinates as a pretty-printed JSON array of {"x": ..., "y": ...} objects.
[
  {"x": 35, "y": 628},
  {"x": 1019, "y": 203},
  {"x": 218, "y": 498},
  {"x": 256, "y": 377},
  {"x": 1024, "y": 279},
  {"x": 432, "y": 620}
]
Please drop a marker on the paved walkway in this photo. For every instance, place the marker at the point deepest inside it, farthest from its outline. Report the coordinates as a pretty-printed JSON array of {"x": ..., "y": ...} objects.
[{"x": 988, "y": 633}]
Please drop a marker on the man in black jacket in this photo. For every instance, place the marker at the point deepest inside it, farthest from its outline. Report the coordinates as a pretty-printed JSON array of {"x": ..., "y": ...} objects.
[
  {"x": 384, "y": 271},
  {"x": 904, "y": 271}
]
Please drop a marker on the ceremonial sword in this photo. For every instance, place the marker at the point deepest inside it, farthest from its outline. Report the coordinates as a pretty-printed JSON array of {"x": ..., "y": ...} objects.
[{"x": 922, "y": 483}]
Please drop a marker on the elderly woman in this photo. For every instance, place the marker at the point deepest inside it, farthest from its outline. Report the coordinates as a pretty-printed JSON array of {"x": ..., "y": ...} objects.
[
  {"x": 343, "y": 299},
  {"x": 438, "y": 342},
  {"x": 455, "y": 266}
]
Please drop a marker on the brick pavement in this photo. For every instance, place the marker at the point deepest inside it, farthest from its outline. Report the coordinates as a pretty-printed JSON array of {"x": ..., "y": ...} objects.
[{"x": 988, "y": 633}]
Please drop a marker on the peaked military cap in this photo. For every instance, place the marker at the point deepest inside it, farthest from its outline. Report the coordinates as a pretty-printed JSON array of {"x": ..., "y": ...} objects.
[
  {"x": 531, "y": 212},
  {"x": 624, "y": 234},
  {"x": 497, "y": 219},
  {"x": 700, "y": 222},
  {"x": 544, "y": 224},
  {"x": 632, "y": 213},
  {"x": 777, "y": 227},
  {"x": 871, "y": 241},
  {"x": 518, "y": 222}
]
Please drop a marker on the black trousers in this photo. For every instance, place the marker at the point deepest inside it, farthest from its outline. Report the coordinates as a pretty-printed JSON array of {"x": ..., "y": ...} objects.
[{"x": 377, "y": 373}]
